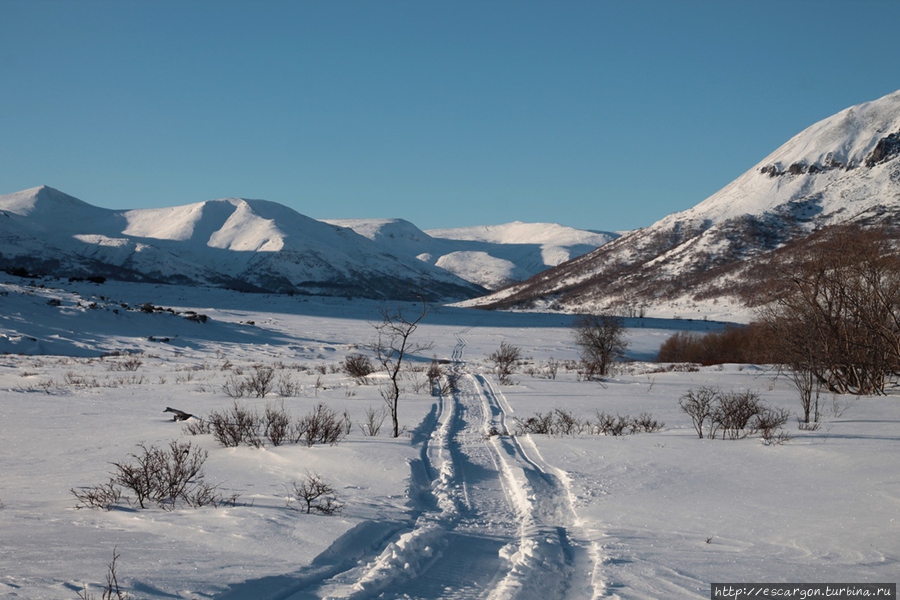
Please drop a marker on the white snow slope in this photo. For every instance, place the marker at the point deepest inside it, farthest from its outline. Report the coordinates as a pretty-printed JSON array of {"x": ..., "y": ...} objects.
[
  {"x": 843, "y": 168},
  {"x": 462, "y": 505},
  {"x": 491, "y": 256},
  {"x": 244, "y": 244}
]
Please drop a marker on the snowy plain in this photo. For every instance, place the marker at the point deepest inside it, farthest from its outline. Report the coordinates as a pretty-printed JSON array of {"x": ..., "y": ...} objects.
[{"x": 444, "y": 511}]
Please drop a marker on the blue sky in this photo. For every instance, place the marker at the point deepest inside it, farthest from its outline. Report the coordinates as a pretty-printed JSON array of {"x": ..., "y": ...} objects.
[{"x": 599, "y": 115}]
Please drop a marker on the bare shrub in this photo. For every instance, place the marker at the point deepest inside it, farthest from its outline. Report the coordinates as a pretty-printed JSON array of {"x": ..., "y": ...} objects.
[
  {"x": 552, "y": 368},
  {"x": 130, "y": 364},
  {"x": 645, "y": 423},
  {"x": 505, "y": 360},
  {"x": 733, "y": 412},
  {"x": 435, "y": 374},
  {"x": 260, "y": 380},
  {"x": 358, "y": 366},
  {"x": 565, "y": 423},
  {"x": 744, "y": 344},
  {"x": 321, "y": 426},
  {"x": 538, "y": 424},
  {"x": 608, "y": 424},
  {"x": 314, "y": 494},
  {"x": 165, "y": 477},
  {"x": 197, "y": 427},
  {"x": 277, "y": 424},
  {"x": 287, "y": 387},
  {"x": 80, "y": 381},
  {"x": 105, "y": 496},
  {"x": 769, "y": 423},
  {"x": 699, "y": 407},
  {"x": 112, "y": 590},
  {"x": 374, "y": 420},
  {"x": 234, "y": 386},
  {"x": 236, "y": 426}
]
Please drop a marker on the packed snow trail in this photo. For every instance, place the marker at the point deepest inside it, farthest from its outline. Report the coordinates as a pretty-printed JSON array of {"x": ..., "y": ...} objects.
[{"x": 493, "y": 521}]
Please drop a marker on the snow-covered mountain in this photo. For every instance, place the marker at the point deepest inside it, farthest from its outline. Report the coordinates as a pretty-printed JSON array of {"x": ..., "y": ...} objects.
[
  {"x": 490, "y": 256},
  {"x": 843, "y": 168},
  {"x": 251, "y": 245}
]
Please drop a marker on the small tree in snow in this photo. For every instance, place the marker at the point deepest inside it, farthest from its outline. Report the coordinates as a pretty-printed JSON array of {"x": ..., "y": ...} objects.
[
  {"x": 602, "y": 342},
  {"x": 392, "y": 347},
  {"x": 505, "y": 359}
]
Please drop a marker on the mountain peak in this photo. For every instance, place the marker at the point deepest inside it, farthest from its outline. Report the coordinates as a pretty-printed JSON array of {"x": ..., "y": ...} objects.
[
  {"x": 843, "y": 168},
  {"x": 42, "y": 200}
]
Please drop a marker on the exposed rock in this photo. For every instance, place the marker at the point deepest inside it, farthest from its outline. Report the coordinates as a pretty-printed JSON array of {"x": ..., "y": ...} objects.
[{"x": 885, "y": 149}]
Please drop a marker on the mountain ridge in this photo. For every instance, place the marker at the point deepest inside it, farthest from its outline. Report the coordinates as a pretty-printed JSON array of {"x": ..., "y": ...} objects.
[
  {"x": 842, "y": 168},
  {"x": 255, "y": 245}
]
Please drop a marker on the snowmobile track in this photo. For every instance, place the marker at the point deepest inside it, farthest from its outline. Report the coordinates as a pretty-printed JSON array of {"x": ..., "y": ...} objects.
[{"x": 491, "y": 520}]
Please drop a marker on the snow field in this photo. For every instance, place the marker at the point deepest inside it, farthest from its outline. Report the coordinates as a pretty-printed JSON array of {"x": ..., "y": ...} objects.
[{"x": 656, "y": 515}]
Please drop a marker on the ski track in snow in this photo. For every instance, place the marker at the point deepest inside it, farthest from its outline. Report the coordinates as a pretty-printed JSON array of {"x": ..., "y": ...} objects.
[{"x": 490, "y": 519}]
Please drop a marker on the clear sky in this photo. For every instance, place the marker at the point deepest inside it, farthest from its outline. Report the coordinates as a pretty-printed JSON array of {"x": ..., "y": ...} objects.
[{"x": 600, "y": 115}]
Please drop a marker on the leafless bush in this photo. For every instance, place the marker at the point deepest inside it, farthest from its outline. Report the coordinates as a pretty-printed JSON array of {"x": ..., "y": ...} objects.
[
  {"x": 538, "y": 424},
  {"x": 562, "y": 422},
  {"x": 277, "y": 424},
  {"x": 320, "y": 385},
  {"x": 358, "y": 366},
  {"x": 733, "y": 413},
  {"x": 131, "y": 364},
  {"x": 552, "y": 368},
  {"x": 287, "y": 387},
  {"x": 236, "y": 426},
  {"x": 505, "y": 359},
  {"x": 105, "y": 496},
  {"x": 197, "y": 427},
  {"x": 234, "y": 386},
  {"x": 321, "y": 426},
  {"x": 607, "y": 424},
  {"x": 565, "y": 423},
  {"x": 371, "y": 426},
  {"x": 315, "y": 495},
  {"x": 260, "y": 380},
  {"x": 645, "y": 423},
  {"x": 112, "y": 590},
  {"x": 769, "y": 423},
  {"x": 699, "y": 407},
  {"x": 731, "y": 345},
  {"x": 162, "y": 476},
  {"x": 435, "y": 374},
  {"x": 80, "y": 381}
]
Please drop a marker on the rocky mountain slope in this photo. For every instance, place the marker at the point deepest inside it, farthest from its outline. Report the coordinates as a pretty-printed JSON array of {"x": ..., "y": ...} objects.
[
  {"x": 701, "y": 261},
  {"x": 251, "y": 245}
]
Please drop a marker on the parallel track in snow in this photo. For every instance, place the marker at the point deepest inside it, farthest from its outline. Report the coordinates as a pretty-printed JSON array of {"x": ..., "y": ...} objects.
[{"x": 494, "y": 521}]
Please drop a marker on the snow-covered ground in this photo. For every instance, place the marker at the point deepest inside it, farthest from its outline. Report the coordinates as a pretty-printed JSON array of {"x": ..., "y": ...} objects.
[{"x": 459, "y": 506}]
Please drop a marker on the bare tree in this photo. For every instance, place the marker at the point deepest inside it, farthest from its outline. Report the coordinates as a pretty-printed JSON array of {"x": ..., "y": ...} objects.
[
  {"x": 505, "y": 359},
  {"x": 602, "y": 342},
  {"x": 392, "y": 347},
  {"x": 834, "y": 313},
  {"x": 315, "y": 494}
]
